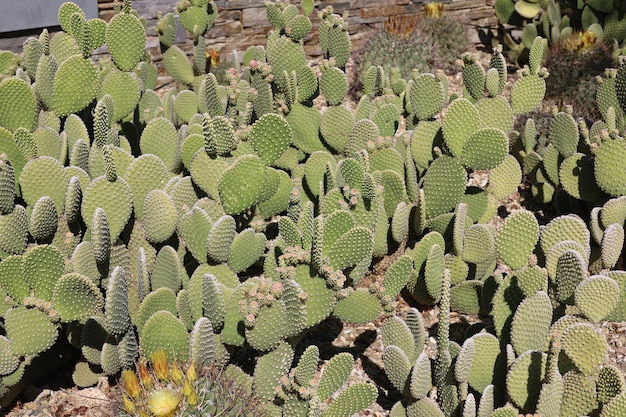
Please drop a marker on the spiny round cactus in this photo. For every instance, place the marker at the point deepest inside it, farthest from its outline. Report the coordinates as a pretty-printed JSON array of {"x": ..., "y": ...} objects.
[{"x": 572, "y": 64}]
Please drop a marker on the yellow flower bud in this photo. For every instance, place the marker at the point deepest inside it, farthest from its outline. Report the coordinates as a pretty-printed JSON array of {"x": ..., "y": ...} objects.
[
  {"x": 128, "y": 405},
  {"x": 159, "y": 362},
  {"x": 190, "y": 394},
  {"x": 191, "y": 372},
  {"x": 131, "y": 383},
  {"x": 177, "y": 374},
  {"x": 144, "y": 374}
]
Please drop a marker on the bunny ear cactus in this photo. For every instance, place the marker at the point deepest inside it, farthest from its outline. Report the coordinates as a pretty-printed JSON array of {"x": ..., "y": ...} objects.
[{"x": 126, "y": 38}]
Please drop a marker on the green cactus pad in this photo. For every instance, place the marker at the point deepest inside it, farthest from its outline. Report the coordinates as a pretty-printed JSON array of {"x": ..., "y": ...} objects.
[
  {"x": 270, "y": 136},
  {"x": 115, "y": 198},
  {"x": 126, "y": 39},
  {"x": 163, "y": 331},
  {"x": 116, "y": 303},
  {"x": 597, "y": 296},
  {"x": 285, "y": 55},
  {"x": 76, "y": 70},
  {"x": 564, "y": 134},
  {"x": 473, "y": 76},
  {"x": 334, "y": 374},
  {"x": 194, "y": 228},
  {"x": 18, "y": 108},
  {"x": 608, "y": 167},
  {"x": 53, "y": 185},
  {"x": 517, "y": 238},
  {"x": 75, "y": 297},
  {"x": 619, "y": 312},
  {"x": 307, "y": 366},
  {"x": 486, "y": 353},
  {"x": 220, "y": 239},
  {"x": 305, "y": 124},
  {"x": 359, "y": 307},
  {"x": 320, "y": 299},
  {"x": 14, "y": 155},
  {"x": 214, "y": 296},
  {"x": 335, "y": 126},
  {"x": 527, "y": 94},
  {"x": 247, "y": 247},
  {"x": 584, "y": 347},
  {"x": 579, "y": 396},
  {"x": 266, "y": 335},
  {"x": 396, "y": 332},
  {"x": 11, "y": 280},
  {"x": 124, "y": 87},
  {"x": 202, "y": 343},
  {"x": 334, "y": 85},
  {"x": 241, "y": 185},
  {"x": 523, "y": 381},
  {"x": 613, "y": 211},
  {"x": 351, "y": 247},
  {"x": 576, "y": 175},
  {"x": 362, "y": 132},
  {"x": 426, "y": 135},
  {"x": 43, "y": 219},
  {"x": 160, "y": 216},
  {"x": 444, "y": 185},
  {"x": 166, "y": 272},
  {"x": 279, "y": 201},
  {"x": 269, "y": 370},
  {"x": 479, "y": 244},
  {"x": 397, "y": 276},
  {"x": 29, "y": 330},
  {"x": 9, "y": 361},
  {"x": 495, "y": 112},
  {"x": 353, "y": 399},
  {"x": 460, "y": 122},
  {"x": 465, "y": 297},
  {"x": 42, "y": 267},
  {"x": 157, "y": 300},
  {"x": 610, "y": 384},
  {"x": 615, "y": 406},
  {"x": 144, "y": 174},
  {"x": 485, "y": 149},
  {"x": 564, "y": 228},
  {"x": 160, "y": 138},
  {"x": 427, "y": 96},
  {"x": 557, "y": 250},
  {"x": 571, "y": 270},
  {"x": 531, "y": 323}
]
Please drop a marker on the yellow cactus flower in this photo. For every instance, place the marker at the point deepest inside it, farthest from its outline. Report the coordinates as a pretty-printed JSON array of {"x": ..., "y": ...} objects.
[
  {"x": 144, "y": 374},
  {"x": 177, "y": 374},
  {"x": 159, "y": 362},
  {"x": 131, "y": 383},
  {"x": 163, "y": 403},
  {"x": 191, "y": 372},
  {"x": 433, "y": 9},
  {"x": 129, "y": 405},
  {"x": 190, "y": 394}
]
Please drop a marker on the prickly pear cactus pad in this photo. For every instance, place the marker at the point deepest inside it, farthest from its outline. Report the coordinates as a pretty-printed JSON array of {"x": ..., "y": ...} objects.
[
  {"x": 126, "y": 39},
  {"x": 241, "y": 184}
]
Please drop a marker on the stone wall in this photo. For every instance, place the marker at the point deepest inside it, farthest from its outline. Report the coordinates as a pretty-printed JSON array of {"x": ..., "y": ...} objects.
[{"x": 243, "y": 23}]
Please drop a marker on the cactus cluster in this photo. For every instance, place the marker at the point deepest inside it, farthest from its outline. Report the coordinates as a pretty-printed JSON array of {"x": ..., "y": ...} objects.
[{"x": 227, "y": 218}]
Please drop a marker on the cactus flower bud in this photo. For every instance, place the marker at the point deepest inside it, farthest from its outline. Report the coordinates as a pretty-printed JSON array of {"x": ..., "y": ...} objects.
[
  {"x": 159, "y": 362},
  {"x": 131, "y": 384}
]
